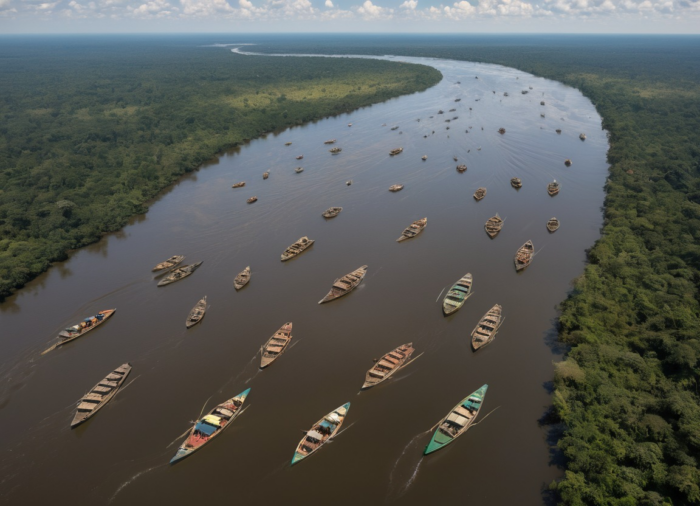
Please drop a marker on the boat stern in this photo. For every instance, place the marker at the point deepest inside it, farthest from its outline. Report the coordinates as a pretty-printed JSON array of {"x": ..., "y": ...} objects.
[
  {"x": 298, "y": 457},
  {"x": 438, "y": 441}
]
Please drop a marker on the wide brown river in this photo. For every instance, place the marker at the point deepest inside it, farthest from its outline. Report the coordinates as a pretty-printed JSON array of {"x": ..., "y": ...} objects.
[{"x": 121, "y": 455}]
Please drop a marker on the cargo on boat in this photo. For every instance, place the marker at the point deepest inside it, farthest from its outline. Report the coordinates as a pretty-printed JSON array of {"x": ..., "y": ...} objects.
[
  {"x": 553, "y": 188},
  {"x": 457, "y": 295},
  {"x": 211, "y": 425},
  {"x": 179, "y": 273},
  {"x": 461, "y": 168},
  {"x": 238, "y": 185},
  {"x": 457, "y": 421},
  {"x": 332, "y": 212},
  {"x": 252, "y": 199},
  {"x": 524, "y": 256},
  {"x": 553, "y": 224},
  {"x": 413, "y": 229},
  {"x": 197, "y": 313},
  {"x": 487, "y": 328},
  {"x": 388, "y": 365},
  {"x": 493, "y": 225},
  {"x": 100, "y": 394},
  {"x": 297, "y": 248},
  {"x": 395, "y": 152},
  {"x": 396, "y": 187},
  {"x": 516, "y": 183},
  {"x": 276, "y": 345},
  {"x": 345, "y": 285},
  {"x": 171, "y": 262},
  {"x": 242, "y": 278},
  {"x": 321, "y": 432},
  {"x": 69, "y": 334},
  {"x": 480, "y": 194}
]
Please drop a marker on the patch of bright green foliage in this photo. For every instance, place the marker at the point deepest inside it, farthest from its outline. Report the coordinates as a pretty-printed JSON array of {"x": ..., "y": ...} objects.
[{"x": 90, "y": 129}]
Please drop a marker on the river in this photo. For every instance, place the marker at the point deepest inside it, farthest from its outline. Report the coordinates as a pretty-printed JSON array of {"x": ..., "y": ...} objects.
[{"x": 121, "y": 456}]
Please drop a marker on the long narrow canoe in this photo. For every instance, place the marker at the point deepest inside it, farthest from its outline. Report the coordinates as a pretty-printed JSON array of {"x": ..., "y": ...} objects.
[
  {"x": 297, "y": 248},
  {"x": 332, "y": 212},
  {"x": 179, "y": 273},
  {"x": 197, "y": 313},
  {"x": 553, "y": 224},
  {"x": 322, "y": 431},
  {"x": 487, "y": 328},
  {"x": 413, "y": 229},
  {"x": 171, "y": 262},
  {"x": 457, "y": 295},
  {"x": 388, "y": 365},
  {"x": 276, "y": 345},
  {"x": 211, "y": 425},
  {"x": 242, "y": 279},
  {"x": 524, "y": 256},
  {"x": 457, "y": 421},
  {"x": 80, "y": 329},
  {"x": 100, "y": 394},
  {"x": 493, "y": 226},
  {"x": 345, "y": 285}
]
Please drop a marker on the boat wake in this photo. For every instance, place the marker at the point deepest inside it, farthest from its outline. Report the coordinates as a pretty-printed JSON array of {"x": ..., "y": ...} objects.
[
  {"x": 405, "y": 469},
  {"x": 132, "y": 479}
]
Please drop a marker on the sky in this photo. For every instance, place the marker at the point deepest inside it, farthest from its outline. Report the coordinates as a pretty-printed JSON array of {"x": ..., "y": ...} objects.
[{"x": 333, "y": 16}]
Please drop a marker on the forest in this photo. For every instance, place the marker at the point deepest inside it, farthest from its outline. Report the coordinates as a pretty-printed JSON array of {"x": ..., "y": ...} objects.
[
  {"x": 89, "y": 132},
  {"x": 627, "y": 391}
]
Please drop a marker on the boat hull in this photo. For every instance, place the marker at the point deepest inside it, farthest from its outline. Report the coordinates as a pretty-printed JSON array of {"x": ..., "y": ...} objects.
[
  {"x": 470, "y": 404},
  {"x": 299, "y": 456}
]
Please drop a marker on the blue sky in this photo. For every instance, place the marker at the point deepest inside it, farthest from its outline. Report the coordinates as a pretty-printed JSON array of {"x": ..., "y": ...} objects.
[{"x": 386, "y": 16}]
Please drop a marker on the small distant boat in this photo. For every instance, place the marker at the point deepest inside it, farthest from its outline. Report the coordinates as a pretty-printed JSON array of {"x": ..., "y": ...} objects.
[
  {"x": 322, "y": 431},
  {"x": 413, "y": 229},
  {"x": 100, "y": 394},
  {"x": 388, "y": 365},
  {"x": 461, "y": 168},
  {"x": 276, "y": 345},
  {"x": 330, "y": 141},
  {"x": 493, "y": 226},
  {"x": 300, "y": 157},
  {"x": 266, "y": 174},
  {"x": 424, "y": 157},
  {"x": 458, "y": 295},
  {"x": 582, "y": 137},
  {"x": 242, "y": 278},
  {"x": 441, "y": 111},
  {"x": 395, "y": 128},
  {"x": 252, "y": 199},
  {"x": 516, "y": 183},
  {"x": 299, "y": 170},
  {"x": 238, "y": 185},
  {"x": 501, "y": 131},
  {"x": 297, "y": 248},
  {"x": 487, "y": 328},
  {"x": 287, "y": 143},
  {"x": 525, "y": 92},
  {"x": 335, "y": 150},
  {"x": 179, "y": 273},
  {"x": 197, "y": 313},
  {"x": 558, "y": 130},
  {"x": 480, "y": 193},
  {"x": 553, "y": 224},
  {"x": 349, "y": 182},
  {"x": 524, "y": 255},
  {"x": 457, "y": 421},
  {"x": 332, "y": 212},
  {"x": 349, "y": 124},
  {"x": 542, "y": 103},
  {"x": 211, "y": 425},
  {"x": 505, "y": 94},
  {"x": 345, "y": 285},
  {"x": 171, "y": 262},
  {"x": 395, "y": 152},
  {"x": 82, "y": 328},
  {"x": 396, "y": 187},
  {"x": 567, "y": 162},
  {"x": 553, "y": 188},
  {"x": 457, "y": 99},
  {"x": 455, "y": 158}
]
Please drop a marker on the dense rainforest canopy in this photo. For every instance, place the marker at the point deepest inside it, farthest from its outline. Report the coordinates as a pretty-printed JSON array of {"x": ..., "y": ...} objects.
[
  {"x": 90, "y": 131},
  {"x": 627, "y": 392}
]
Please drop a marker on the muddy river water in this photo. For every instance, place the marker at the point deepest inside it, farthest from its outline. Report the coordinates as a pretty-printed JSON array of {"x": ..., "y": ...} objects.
[{"x": 121, "y": 456}]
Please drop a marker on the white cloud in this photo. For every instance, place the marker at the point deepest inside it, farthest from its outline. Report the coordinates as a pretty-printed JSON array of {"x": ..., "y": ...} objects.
[
  {"x": 203, "y": 8},
  {"x": 369, "y": 10},
  {"x": 409, "y": 4},
  {"x": 329, "y": 4}
]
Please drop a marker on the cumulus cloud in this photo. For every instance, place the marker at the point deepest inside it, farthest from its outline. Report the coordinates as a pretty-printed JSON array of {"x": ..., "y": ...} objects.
[
  {"x": 369, "y": 10},
  {"x": 409, "y": 4},
  {"x": 329, "y": 4}
]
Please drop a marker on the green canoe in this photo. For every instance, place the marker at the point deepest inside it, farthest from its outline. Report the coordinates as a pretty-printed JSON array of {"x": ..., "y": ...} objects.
[
  {"x": 457, "y": 295},
  {"x": 457, "y": 421}
]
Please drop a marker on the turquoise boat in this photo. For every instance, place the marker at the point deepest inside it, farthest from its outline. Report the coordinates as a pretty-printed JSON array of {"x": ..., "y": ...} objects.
[
  {"x": 457, "y": 421},
  {"x": 457, "y": 295},
  {"x": 322, "y": 431},
  {"x": 211, "y": 425}
]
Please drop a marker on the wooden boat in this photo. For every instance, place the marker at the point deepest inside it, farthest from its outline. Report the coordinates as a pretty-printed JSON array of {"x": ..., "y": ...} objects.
[
  {"x": 388, "y": 365},
  {"x": 322, "y": 431},
  {"x": 458, "y": 295},
  {"x": 276, "y": 345},
  {"x": 300, "y": 157},
  {"x": 395, "y": 128},
  {"x": 457, "y": 99},
  {"x": 396, "y": 187},
  {"x": 461, "y": 168},
  {"x": 553, "y": 188},
  {"x": 455, "y": 158},
  {"x": 487, "y": 328},
  {"x": 100, "y": 394},
  {"x": 332, "y": 212},
  {"x": 266, "y": 174},
  {"x": 238, "y": 185},
  {"x": 349, "y": 124},
  {"x": 252, "y": 199},
  {"x": 553, "y": 224},
  {"x": 516, "y": 183},
  {"x": 330, "y": 141},
  {"x": 493, "y": 226},
  {"x": 542, "y": 103},
  {"x": 457, "y": 421},
  {"x": 299, "y": 170},
  {"x": 297, "y": 248},
  {"x": 525, "y": 92},
  {"x": 197, "y": 313},
  {"x": 345, "y": 285},
  {"x": 349, "y": 182},
  {"x": 413, "y": 229},
  {"x": 505, "y": 93},
  {"x": 524, "y": 255},
  {"x": 335, "y": 150},
  {"x": 171, "y": 262},
  {"x": 179, "y": 273},
  {"x": 211, "y": 425},
  {"x": 424, "y": 157},
  {"x": 558, "y": 130},
  {"x": 396, "y": 151},
  {"x": 70, "y": 333},
  {"x": 287, "y": 143},
  {"x": 567, "y": 162},
  {"x": 480, "y": 193},
  {"x": 242, "y": 279},
  {"x": 501, "y": 131}
]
